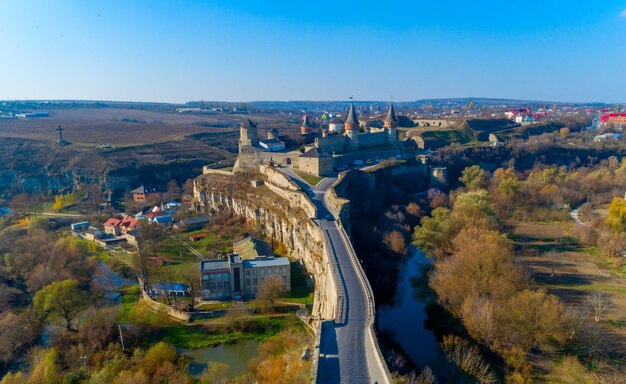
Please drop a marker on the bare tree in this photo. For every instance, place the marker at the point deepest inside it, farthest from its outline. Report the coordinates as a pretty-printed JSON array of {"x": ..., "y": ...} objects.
[
  {"x": 599, "y": 302},
  {"x": 574, "y": 320},
  {"x": 426, "y": 376},
  {"x": 270, "y": 290},
  {"x": 553, "y": 257}
]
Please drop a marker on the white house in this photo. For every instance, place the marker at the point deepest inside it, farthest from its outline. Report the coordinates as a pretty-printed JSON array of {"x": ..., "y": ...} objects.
[{"x": 272, "y": 145}]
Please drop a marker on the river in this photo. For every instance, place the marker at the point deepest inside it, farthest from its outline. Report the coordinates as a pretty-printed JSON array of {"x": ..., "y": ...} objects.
[
  {"x": 404, "y": 319},
  {"x": 236, "y": 356}
]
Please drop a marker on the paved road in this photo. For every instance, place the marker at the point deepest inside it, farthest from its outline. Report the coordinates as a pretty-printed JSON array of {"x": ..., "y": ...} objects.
[{"x": 342, "y": 357}]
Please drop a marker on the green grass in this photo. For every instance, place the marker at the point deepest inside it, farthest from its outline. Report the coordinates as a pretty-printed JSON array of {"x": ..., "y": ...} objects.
[
  {"x": 310, "y": 179},
  {"x": 129, "y": 304},
  {"x": 197, "y": 336},
  {"x": 300, "y": 292}
]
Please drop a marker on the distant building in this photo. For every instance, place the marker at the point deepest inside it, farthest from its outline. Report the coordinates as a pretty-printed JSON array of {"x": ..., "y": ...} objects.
[
  {"x": 272, "y": 145},
  {"x": 118, "y": 227},
  {"x": 607, "y": 137},
  {"x": 164, "y": 220},
  {"x": 613, "y": 118},
  {"x": 335, "y": 125},
  {"x": 192, "y": 224},
  {"x": 32, "y": 115},
  {"x": 172, "y": 289},
  {"x": 524, "y": 119},
  {"x": 142, "y": 193},
  {"x": 5, "y": 211},
  {"x": 79, "y": 227}
]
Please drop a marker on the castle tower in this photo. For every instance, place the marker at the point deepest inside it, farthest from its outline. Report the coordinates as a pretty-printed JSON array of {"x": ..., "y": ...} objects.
[
  {"x": 306, "y": 128},
  {"x": 272, "y": 134},
  {"x": 247, "y": 134},
  {"x": 351, "y": 127},
  {"x": 391, "y": 125}
]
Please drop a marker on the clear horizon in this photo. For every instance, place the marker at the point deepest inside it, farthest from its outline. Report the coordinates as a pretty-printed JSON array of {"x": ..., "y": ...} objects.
[{"x": 281, "y": 50}]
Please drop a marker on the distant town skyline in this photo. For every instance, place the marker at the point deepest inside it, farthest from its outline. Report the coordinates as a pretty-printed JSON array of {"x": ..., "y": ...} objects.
[{"x": 294, "y": 50}]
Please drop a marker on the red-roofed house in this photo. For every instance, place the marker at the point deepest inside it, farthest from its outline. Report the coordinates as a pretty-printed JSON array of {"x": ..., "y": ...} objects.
[
  {"x": 128, "y": 224},
  {"x": 112, "y": 226},
  {"x": 117, "y": 227},
  {"x": 614, "y": 118}
]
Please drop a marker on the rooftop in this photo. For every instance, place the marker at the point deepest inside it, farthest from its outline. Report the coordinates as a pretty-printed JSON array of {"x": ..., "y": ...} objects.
[
  {"x": 251, "y": 247},
  {"x": 266, "y": 262},
  {"x": 214, "y": 265}
]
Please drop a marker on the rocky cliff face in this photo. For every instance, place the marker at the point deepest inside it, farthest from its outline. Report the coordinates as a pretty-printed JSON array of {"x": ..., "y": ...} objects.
[
  {"x": 37, "y": 166},
  {"x": 289, "y": 225}
]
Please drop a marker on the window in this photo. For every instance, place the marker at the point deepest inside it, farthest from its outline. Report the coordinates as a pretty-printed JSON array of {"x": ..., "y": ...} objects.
[
  {"x": 247, "y": 273},
  {"x": 269, "y": 271},
  {"x": 205, "y": 277},
  {"x": 247, "y": 281},
  {"x": 285, "y": 279},
  {"x": 256, "y": 281}
]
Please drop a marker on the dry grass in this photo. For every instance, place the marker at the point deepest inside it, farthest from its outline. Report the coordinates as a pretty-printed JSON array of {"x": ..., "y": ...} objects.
[
  {"x": 577, "y": 272},
  {"x": 121, "y": 127}
]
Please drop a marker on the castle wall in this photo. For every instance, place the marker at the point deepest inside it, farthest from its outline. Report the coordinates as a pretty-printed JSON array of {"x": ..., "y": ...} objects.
[
  {"x": 372, "y": 139},
  {"x": 332, "y": 143},
  {"x": 250, "y": 158}
]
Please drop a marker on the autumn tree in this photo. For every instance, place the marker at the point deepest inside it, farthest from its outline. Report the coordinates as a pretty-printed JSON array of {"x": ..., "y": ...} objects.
[
  {"x": 532, "y": 319},
  {"x": 437, "y": 198},
  {"x": 473, "y": 177},
  {"x": 617, "y": 215},
  {"x": 62, "y": 299},
  {"x": 395, "y": 242},
  {"x": 481, "y": 266},
  {"x": 434, "y": 235},
  {"x": 474, "y": 210}
]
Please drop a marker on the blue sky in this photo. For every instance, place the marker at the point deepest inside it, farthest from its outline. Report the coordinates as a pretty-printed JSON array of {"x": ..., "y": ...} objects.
[{"x": 247, "y": 50}]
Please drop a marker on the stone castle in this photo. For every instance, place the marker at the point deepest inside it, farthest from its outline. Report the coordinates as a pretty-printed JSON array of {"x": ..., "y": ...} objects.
[{"x": 328, "y": 150}]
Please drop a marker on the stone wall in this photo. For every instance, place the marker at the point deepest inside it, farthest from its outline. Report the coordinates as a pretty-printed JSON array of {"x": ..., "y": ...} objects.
[
  {"x": 372, "y": 139},
  {"x": 290, "y": 225},
  {"x": 331, "y": 143},
  {"x": 250, "y": 158}
]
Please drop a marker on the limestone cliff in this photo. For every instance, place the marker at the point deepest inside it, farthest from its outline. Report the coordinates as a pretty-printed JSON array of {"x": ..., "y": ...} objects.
[{"x": 285, "y": 222}]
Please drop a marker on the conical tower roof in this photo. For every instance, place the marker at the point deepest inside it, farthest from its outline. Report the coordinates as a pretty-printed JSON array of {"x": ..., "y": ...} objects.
[
  {"x": 391, "y": 115},
  {"x": 248, "y": 124},
  {"x": 352, "y": 117},
  {"x": 306, "y": 121}
]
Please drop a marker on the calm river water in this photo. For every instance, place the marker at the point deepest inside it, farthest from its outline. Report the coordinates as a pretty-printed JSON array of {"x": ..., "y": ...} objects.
[{"x": 404, "y": 320}]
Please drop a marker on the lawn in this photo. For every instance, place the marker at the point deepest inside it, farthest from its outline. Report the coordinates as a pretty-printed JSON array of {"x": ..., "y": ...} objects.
[{"x": 310, "y": 179}]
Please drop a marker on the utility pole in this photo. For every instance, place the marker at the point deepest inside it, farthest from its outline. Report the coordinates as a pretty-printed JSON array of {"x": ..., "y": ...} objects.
[
  {"x": 121, "y": 336},
  {"x": 85, "y": 365}
]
